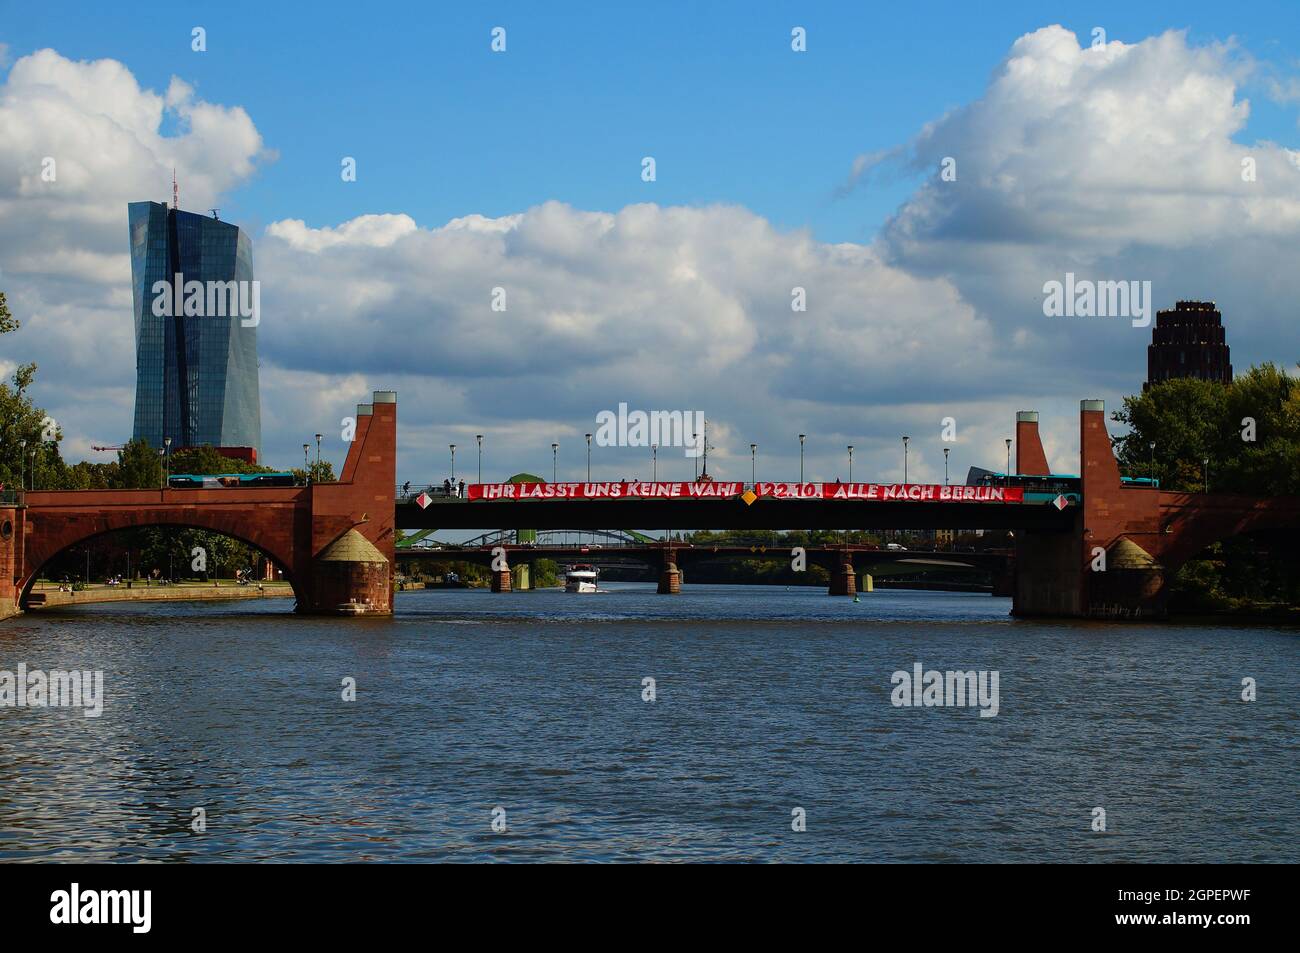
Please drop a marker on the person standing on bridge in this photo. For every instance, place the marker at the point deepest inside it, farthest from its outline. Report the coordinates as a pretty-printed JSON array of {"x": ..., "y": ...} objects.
[{"x": 461, "y": 490}]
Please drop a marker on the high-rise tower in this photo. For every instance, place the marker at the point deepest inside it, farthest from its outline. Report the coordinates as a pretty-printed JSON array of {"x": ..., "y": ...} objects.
[
  {"x": 1189, "y": 342},
  {"x": 196, "y": 364}
]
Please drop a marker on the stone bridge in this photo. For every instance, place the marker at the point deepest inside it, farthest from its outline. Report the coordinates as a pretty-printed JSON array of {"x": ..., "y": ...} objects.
[{"x": 332, "y": 541}]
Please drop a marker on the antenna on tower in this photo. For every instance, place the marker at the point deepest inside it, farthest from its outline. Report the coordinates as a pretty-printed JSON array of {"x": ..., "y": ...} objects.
[{"x": 176, "y": 191}]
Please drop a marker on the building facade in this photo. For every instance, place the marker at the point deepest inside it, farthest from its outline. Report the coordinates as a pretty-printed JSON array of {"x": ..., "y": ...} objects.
[
  {"x": 195, "y": 350},
  {"x": 1188, "y": 342}
]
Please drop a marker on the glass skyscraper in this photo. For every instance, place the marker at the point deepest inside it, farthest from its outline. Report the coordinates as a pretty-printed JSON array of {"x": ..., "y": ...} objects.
[{"x": 196, "y": 373}]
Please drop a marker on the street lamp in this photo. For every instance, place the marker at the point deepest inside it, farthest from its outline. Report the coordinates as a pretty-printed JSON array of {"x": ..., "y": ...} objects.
[
  {"x": 479, "y": 438},
  {"x": 801, "y": 436},
  {"x": 167, "y": 460},
  {"x": 306, "y": 464},
  {"x": 1152, "y": 446},
  {"x": 905, "y": 439},
  {"x": 753, "y": 463},
  {"x": 22, "y": 464},
  {"x": 850, "y": 463},
  {"x": 453, "y": 461},
  {"x": 695, "y": 443},
  {"x": 588, "y": 436},
  {"x": 946, "y": 451},
  {"x": 33, "y": 456},
  {"x": 1205, "y": 463},
  {"x": 318, "y": 437},
  {"x": 1008, "y": 461},
  {"x": 654, "y": 462},
  {"x": 555, "y": 463}
]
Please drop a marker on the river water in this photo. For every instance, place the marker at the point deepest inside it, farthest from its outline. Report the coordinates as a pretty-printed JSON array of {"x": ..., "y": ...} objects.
[{"x": 527, "y": 709}]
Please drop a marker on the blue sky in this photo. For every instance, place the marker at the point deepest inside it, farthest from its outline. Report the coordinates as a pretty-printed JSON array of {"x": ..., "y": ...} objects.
[
  {"x": 442, "y": 127},
  {"x": 523, "y": 170}
]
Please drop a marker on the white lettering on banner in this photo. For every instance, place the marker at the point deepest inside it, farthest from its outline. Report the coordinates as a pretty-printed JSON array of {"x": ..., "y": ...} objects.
[{"x": 883, "y": 492}]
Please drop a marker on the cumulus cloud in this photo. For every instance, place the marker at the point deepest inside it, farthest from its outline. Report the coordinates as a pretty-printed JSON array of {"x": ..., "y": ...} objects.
[
  {"x": 1117, "y": 162},
  {"x": 1123, "y": 161},
  {"x": 671, "y": 308}
]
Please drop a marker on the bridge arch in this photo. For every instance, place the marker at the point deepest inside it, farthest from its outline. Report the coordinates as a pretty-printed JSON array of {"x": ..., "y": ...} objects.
[{"x": 78, "y": 533}]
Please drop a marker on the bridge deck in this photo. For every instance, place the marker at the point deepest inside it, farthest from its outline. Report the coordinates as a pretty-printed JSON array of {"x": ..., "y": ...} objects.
[{"x": 763, "y": 513}]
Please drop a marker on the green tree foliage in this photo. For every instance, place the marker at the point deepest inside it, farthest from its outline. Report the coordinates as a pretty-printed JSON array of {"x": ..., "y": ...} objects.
[
  {"x": 322, "y": 472},
  {"x": 139, "y": 467},
  {"x": 1193, "y": 420},
  {"x": 7, "y": 321}
]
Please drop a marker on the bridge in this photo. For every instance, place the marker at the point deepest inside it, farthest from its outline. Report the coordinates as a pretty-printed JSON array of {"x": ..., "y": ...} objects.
[
  {"x": 332, "y": 541},
  {"x": 501, "y": 552},
  {"x": 1111, "y": 555}
]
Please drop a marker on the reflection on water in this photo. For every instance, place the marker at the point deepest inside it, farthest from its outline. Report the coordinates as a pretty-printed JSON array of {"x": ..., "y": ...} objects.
[{"x": 768, "y": 699}]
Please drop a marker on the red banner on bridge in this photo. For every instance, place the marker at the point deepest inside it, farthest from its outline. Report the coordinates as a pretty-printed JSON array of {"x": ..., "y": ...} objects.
[{"x": 883, "y": 492}]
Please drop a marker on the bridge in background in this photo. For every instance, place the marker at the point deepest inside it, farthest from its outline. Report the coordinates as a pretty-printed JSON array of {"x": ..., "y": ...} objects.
[
  {"x": 335, "y": 544},
  {"x": 675, "y": 557}
]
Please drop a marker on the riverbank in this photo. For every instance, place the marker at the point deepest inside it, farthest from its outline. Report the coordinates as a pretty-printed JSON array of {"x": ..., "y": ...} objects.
[{"x": 51, "y": 597}]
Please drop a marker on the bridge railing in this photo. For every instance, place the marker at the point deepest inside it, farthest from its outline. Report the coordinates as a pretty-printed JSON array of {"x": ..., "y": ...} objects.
[{"x": 408, "y": 492}]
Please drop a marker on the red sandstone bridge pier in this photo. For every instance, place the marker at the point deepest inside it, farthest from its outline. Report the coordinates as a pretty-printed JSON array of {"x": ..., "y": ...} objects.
[{"x": 334, "y": 542}]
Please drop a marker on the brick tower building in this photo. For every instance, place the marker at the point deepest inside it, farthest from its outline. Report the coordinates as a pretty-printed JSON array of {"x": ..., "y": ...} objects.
[{"x": 1188, "y": 342}]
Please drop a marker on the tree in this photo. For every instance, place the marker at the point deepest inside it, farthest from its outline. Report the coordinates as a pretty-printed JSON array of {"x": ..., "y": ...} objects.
[
  {"x": 139, "y": 467},
  {"x": 29, "y": 439},
  {"x": 7, "y": 321},
  {"x": 1249, "y": 430},
  {"x": 322, "y": 472}
]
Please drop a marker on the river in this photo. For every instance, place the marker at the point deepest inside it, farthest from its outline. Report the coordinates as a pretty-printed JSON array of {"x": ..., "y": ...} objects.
[{"x": 772, "y": 709}]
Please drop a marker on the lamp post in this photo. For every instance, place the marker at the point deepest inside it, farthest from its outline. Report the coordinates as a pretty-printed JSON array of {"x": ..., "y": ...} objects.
[
  {"x": 753, "y": 463},
  {"x": 946, "y": 451},
  {"x": 555, "y": 463},
  {"x": 1152, "y": 446},
  {"x": 33, "y": 456},
  {"x": 1205, "y": 463},
  {"x": 306, "y": 464},
  {"x": 1008, "y": 461},
  {"x": 850, "y": 463},
  {"x": 318, "y": 438},
  {"x": 22, "y": 464},
  {"x": 588, "y": 436},
  {"x": 695, "y": 443},
  {"x": 654, "y": 462},
  {"x": 167, "y": 460},
  {"x": 905, "y": 439},
  {"x": 479, "y": 438},
  {"x": 801, "y": 436},
  {"x": 453, "y": 461}
]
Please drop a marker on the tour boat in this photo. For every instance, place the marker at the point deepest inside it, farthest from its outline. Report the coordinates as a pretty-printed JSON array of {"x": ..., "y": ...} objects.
[{"x": 580, "y": 578}]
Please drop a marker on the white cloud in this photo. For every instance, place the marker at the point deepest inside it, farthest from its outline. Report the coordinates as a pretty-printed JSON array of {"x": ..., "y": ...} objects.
[{"x": 1120, "y": 162}]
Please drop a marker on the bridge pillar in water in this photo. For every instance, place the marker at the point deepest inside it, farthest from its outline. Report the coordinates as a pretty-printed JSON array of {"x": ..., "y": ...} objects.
[
  {"x": 11, "y": 555},
  {"x": 522, "y": 577},
  {"x": 844, "y": 580},
  {"x": 502, "y": 579},
  {"x": 670, "y": 577},
  {"x": 344, "y": 555},
  {"x": 1103, "y": 565}
]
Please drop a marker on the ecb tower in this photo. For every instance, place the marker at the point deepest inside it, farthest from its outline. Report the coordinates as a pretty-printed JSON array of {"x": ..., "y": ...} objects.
[{"x": 195, "y": 354}]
